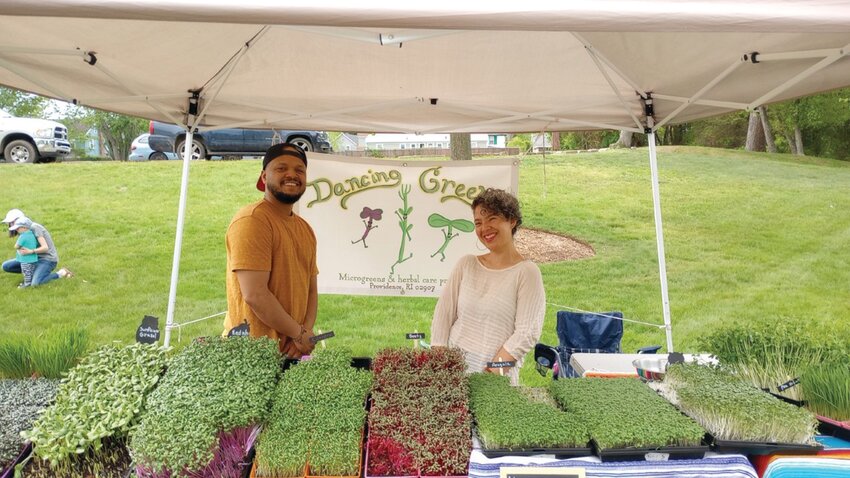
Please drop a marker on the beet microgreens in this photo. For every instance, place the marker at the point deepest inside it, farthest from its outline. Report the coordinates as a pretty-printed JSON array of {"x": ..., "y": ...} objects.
[{"x": 419, "y": 422}]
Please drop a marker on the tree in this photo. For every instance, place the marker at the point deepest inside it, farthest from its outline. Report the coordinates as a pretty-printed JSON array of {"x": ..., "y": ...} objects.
[
  {"x": 770, "y": 145},
  {"x": 115, "y": 131},
  {"x": 556, "y": 140},
  {"x": 755, "y": 133},
  {"x": 624, "y": 141},
  {"x": 22, "y": 104},
  {"x": 521, "y": 141},
  {"x": 461, "y": 146}
]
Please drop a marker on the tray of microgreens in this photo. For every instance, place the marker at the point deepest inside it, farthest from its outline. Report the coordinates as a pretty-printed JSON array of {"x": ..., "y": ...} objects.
[
  {"x": 741, "y": 418},
  {"x": 85, "y": 431},
  {"x": 511, "y": 421},
  {"x": 317, "y": 419},
  {"x": 628, "y": 421},
  {"x": 205, "y": 415},
  {"x": 21, "y": 402},
  {"x": 419, "y": 422}
]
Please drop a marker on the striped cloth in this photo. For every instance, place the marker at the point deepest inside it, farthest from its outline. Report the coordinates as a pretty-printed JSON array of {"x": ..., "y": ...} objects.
[{"x": 712, "y": 466}]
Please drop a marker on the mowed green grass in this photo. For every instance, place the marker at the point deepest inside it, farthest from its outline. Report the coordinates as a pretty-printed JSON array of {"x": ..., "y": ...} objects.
[{"x": 749, "y": 237}]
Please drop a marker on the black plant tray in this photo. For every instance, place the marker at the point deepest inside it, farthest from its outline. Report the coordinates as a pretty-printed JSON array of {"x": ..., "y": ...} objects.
[
  {"x": 831, "y": 427},
  {"x": 663, "y": 453},
  {"x": 763, "y": 448},
  {"x": 9, "y": 471},
  {"x": 559, "y": 453}
]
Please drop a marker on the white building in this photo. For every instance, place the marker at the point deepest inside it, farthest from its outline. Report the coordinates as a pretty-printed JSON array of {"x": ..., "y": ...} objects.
[{"x": 439, "y": 141}]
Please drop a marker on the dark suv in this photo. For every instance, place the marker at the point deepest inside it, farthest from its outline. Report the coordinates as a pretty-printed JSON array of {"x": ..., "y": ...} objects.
[{"x": 167, "y": 138}]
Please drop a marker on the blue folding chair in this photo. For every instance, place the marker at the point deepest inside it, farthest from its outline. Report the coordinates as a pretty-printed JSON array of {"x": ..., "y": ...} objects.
[{"x": 581, "y": 332}]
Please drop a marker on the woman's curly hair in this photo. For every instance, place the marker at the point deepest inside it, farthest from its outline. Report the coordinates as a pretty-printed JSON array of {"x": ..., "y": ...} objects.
[{"x": 499, "y": 202}]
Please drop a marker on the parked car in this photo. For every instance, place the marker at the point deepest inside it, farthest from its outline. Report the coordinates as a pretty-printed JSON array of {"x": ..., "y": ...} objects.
[
  {"x": 32, "y": 140},
  {"x": 239, "y": 142},
  {"x": 141, "y": 151}
]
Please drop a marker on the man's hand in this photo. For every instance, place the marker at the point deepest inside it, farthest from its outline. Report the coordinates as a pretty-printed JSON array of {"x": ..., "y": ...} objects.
[
  {"x": 303, "y": 343},
  {"x": 290, "y": 350}
]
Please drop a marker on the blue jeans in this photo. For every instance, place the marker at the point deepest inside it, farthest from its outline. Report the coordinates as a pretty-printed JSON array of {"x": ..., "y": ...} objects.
[{"x": 43, "y": 270}]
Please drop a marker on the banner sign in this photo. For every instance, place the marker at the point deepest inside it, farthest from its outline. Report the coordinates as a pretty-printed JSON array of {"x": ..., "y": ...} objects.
[{"x": 395, "y": 227}]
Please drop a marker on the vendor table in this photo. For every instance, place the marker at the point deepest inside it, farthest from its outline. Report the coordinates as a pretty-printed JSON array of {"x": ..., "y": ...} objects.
[
  {"x": 618, "y": 365},
  {"x": 713, "y": 465}
]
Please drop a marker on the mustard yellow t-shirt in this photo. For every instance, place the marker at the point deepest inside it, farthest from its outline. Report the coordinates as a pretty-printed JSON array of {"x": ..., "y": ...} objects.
[{"x": 261, "y": 237}]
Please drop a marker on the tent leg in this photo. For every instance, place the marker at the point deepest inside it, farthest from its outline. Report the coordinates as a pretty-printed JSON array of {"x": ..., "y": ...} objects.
[
  {"x": 659, "y": 235},
  {"x": 178, "y": 241}
]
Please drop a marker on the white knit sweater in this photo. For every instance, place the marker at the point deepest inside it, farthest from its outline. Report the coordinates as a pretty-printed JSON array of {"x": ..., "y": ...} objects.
[{"x": 480, "y": 310}]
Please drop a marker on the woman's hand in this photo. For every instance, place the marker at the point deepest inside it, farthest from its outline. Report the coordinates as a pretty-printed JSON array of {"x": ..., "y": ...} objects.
[{"x": 501, "y": 356}]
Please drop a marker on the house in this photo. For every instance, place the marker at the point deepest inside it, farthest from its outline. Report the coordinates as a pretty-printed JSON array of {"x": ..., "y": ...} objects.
[
  {"x": 541, "y": 142},
  {"x": 438, "y": 141},
  {"x": 350, "y": 142}
]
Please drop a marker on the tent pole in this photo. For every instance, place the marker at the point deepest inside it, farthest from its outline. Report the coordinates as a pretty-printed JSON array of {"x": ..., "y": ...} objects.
[
  {"x": 178, "y": 241},
  {"x": 659, "y": 235}
]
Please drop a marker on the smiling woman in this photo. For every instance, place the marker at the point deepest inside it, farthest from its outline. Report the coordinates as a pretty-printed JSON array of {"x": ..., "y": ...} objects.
[{"x": 493, "y": 305}]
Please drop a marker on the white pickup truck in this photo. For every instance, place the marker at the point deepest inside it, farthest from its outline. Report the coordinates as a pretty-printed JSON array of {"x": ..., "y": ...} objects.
[{"x": 32, "y": 140}]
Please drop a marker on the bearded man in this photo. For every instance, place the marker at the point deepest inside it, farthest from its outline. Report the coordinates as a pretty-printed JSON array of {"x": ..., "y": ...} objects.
[{"x": 271, "y": 258}]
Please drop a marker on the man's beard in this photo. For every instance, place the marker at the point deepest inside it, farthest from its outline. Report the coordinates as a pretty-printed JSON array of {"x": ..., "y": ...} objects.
[{"x": 283, "y": 197}]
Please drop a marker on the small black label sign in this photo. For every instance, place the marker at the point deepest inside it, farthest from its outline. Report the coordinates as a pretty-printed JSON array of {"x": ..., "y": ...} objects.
[
  {"x": 318, "y": 338},
  {"x": 676, "y": 357},
  {"x": 148, "y": 330},
  {"x": 505, "y": 364},
  {"x": 241, "y": 330},
  {"x": 415, "y": 335},
  {"x": 788, "y": 384}
]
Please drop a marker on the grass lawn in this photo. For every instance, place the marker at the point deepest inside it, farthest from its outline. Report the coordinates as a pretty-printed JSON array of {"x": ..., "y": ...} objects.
[{"x": 749, "y": 237}]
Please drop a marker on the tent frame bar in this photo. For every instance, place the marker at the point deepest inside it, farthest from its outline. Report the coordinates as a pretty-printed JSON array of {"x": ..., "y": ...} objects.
[
  {"x": 598, "y": 62},
  {"x": 834, "y": 55},
  {"x": 56, "y": 92},
  {"x": 299, "y": 116},
  {"x": 720, "y": 104},
  {"x": 696, "y": 96}
]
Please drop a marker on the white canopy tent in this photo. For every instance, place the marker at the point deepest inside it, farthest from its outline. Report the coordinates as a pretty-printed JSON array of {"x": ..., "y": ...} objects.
[{"x": 444, "y": 66}]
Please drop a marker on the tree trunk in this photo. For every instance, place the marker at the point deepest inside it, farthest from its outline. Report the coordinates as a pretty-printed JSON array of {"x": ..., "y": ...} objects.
[
  {"x": 461, "y": 146},
  {"x": 792, "y": 144},
  {"x": 768, "y": 132},
  {"x": 556, "y": 140},
  {"x": 625, "y": 140},
  {"x": 755, "y": 133},
  {"x": 798, "y": 138}
]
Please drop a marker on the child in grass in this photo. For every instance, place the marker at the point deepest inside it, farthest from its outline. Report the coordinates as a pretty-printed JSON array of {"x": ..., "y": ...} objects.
[{"x": 25, "y": 246}]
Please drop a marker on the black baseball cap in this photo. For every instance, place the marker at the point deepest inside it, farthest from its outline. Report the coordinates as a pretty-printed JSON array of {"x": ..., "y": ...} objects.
[{"x": 276, "y": 151}]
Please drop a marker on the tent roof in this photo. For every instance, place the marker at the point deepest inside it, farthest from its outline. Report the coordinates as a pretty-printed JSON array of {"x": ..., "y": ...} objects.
[{"x": 461, "y": 66}]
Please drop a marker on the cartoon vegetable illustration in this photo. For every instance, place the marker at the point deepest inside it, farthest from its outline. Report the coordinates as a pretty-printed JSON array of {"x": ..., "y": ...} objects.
[
  {"x": 403, "y": 214},
  {"x": 372, "y": 215},
  {"x": 435, "y": 220}
]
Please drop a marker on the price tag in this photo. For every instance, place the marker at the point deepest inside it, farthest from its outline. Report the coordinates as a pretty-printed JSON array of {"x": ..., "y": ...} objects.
[
  {"x": 788, "y": 384},
  {"x": 318, "y": 338},
  {"x": 241, "y": 330},
  {"x": 655, "y": 456},
  {"x": 541, "y": 472},
  {"x": 415, "y": 335},
  {"x": 148, "y": 330},
  {"x": 502, "y": 364}
]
